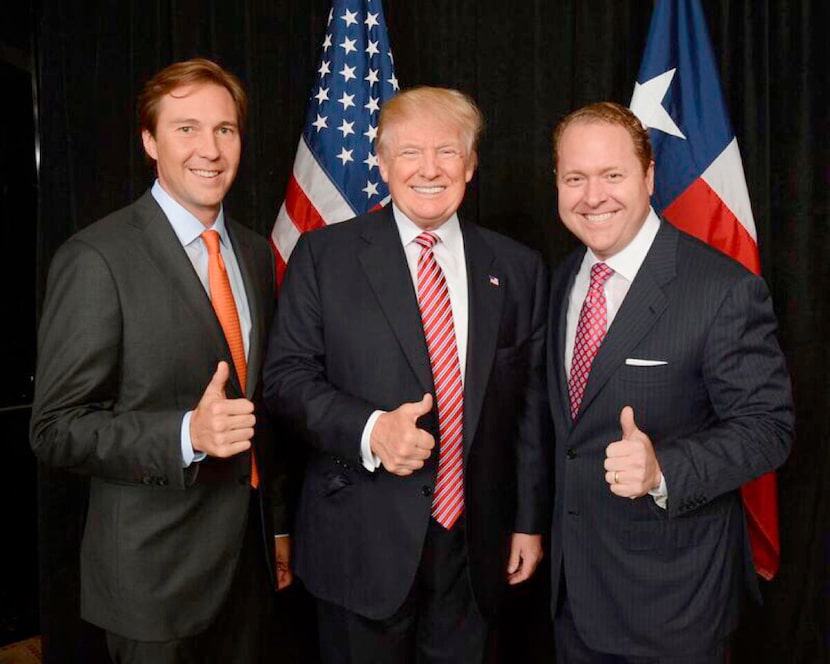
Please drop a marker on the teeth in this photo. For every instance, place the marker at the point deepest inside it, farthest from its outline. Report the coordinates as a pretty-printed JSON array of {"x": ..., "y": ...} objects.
[
  {"x": 429, "y": 190},
  {"x": 204, "y": 174},
  {"x": 599, "y": 217}
]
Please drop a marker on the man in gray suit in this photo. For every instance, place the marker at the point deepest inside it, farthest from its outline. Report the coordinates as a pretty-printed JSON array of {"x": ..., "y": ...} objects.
[
  {"x": 669, "y": 391},
  {"x": 148, "y": 387}
]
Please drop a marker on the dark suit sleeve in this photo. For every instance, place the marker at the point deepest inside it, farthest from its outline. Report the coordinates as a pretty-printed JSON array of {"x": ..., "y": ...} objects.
[
  {"x": 295, "y": 379},
  {"x": 535, "y": 430},
  {"x": 746, "y": 379},
  {"x": 76, "y": 423}
]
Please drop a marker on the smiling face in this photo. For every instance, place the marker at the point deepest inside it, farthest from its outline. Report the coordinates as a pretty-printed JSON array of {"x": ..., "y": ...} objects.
[
  {"x": 427, "y": 165},
  {"x": 197, "y": 147},
  {"x": 604, "y": 195}
]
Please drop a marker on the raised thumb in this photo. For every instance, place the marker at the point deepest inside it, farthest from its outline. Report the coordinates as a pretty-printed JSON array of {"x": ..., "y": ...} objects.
[
  {"x": 216, "y": 386},
  {"x": 629, "y": 426},
  {"x": 423, "y": 406}
]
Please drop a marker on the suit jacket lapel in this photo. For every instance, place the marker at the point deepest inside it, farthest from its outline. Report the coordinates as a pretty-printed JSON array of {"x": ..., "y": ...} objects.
[
  {"x": 485, "y": 299},
  {"x": 642, "y": 307},
  {"x": 166, "y": 252},
  {"x": 254, "y": 290},
  {"x": 385, "y": 266}
]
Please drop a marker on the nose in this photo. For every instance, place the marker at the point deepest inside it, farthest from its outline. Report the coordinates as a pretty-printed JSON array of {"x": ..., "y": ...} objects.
[
  {"x": 428, "y": 165},
  {"x": 208, "y": 145},
  {"x": 595, "y": 193}
]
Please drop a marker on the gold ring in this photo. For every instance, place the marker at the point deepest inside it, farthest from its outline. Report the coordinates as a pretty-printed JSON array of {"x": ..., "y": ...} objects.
[{"x": 616, "y": 477}]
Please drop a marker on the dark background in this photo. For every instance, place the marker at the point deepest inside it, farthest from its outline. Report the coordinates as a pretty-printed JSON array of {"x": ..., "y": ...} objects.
[{"x": 71, "y": 71}]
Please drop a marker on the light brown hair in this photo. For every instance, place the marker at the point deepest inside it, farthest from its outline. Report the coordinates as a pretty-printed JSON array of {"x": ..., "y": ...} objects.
[{"x": 446, "y": 103}]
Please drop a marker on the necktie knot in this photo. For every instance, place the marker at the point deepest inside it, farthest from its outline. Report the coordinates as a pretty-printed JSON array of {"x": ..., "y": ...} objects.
[
  {"x": 427, "y": 240},
  {"x": 211, "y": 239},
  {"x": 600, "y": 273}
]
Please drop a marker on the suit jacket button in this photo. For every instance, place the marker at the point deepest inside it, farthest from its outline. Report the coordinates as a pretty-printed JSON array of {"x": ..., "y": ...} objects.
[
  {"x": 426, "y": 490},
  {"x": 573, "y": 512},
  {"x": 571, "y": 453}
]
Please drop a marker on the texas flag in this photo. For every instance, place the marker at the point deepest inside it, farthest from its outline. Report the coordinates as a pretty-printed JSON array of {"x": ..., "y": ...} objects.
[{"x": 700, "y": 185}]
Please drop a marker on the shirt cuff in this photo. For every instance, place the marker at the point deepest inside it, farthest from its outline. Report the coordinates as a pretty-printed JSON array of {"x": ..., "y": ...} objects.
[
  {"x": 371, "y": 462},
  {"x": 189, "y": 456},
  {"x": 660, "y": 494}
]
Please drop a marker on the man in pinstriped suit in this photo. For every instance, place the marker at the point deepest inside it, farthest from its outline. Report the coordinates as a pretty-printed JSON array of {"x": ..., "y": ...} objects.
[{"x": 686, "y": 398}]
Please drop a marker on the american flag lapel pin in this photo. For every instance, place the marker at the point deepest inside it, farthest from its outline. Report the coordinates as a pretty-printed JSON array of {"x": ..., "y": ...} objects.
[{"x": 494, "y": 281}]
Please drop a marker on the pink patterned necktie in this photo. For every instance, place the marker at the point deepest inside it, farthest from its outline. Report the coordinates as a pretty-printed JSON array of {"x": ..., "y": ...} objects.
[
  {"x": 590, "y": 331},
  {"x": 436, "y": 316}
]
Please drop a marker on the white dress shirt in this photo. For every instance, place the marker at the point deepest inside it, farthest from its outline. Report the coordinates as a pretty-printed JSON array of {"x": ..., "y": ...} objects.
[
  {"x": 450, "y": 256},
  {"x": 625, "y": 264}
]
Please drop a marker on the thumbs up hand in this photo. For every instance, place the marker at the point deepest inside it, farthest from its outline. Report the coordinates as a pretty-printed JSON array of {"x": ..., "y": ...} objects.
[
  {"x": 219, "y": 426},
  {"x": 631, "y": 467},
  {"x": 397, "y": 440}
]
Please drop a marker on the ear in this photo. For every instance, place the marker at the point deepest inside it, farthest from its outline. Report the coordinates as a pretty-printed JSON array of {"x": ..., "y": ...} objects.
[
  {"x": 149, "y": 144},
  {"x": 470, "y": 166},
  {"x": 650, "y": 178},
  {"x": 383, "y": 166}
]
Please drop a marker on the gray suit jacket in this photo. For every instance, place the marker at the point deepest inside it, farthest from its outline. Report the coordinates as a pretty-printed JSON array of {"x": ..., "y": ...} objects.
[
  {"x": 349, "y": 340},
  {"x": 128, "y": 341},
  {"x": 642, "y": 580}
]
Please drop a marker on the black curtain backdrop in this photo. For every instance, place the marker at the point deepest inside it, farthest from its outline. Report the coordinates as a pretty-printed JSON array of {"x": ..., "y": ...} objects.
[{"x": 527, "y": 63}]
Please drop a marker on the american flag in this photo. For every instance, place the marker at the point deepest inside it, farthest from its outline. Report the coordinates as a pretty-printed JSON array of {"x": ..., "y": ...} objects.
[
  {"x": 335, "y": 175},
  {"x": 700, "y": 185}
]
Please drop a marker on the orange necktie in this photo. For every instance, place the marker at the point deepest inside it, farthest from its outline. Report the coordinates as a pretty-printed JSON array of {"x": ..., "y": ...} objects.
[{"x": 224, "y": 305}]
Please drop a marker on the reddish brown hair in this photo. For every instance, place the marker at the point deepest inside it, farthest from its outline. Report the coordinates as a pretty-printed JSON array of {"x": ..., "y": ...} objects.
[
  {"x": 607, "y": 112},
  {"x": 188, "y": 72}
]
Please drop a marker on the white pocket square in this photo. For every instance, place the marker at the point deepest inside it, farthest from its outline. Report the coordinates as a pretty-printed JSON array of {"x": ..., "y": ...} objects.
[{"x": 636, "y": 362}]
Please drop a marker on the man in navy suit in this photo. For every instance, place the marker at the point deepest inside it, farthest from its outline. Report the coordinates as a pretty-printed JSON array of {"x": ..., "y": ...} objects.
[
  {"x": 352, "y": 358},
  {"x": 668, "y": 391}
]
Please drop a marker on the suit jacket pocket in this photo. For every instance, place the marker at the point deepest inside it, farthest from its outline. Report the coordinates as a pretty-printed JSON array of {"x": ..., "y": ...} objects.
[
  {"x": 334, "y": 482},
  {"x": 661, "y": 373}
]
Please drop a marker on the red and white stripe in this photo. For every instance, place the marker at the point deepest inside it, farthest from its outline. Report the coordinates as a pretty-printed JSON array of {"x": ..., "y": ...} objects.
[
  {"x": 311, "y": 201},
  {"x": 439, "y": 330},
  {"x": 715, "y": 208}
]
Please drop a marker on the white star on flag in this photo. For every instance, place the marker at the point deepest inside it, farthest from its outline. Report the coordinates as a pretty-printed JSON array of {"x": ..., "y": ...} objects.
[
  {"x": 346, "y": 100},
  {"x": 350, "y": 18},
  {"x": 347, "y": 73},
  {"x": 371, "y": 189},
  {"x": 345, "y": 155},
  {"x": 346, "y": 128},
  {"x": 348, "y": 45},
  {"x": 647, "y": 104},
  {"x": 320, "y": 123}
]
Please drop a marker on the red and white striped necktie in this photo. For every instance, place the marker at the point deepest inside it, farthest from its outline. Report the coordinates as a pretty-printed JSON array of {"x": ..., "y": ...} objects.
[
  {"x": 590, "y": 331},
  {"x": 436, "y": 315}
]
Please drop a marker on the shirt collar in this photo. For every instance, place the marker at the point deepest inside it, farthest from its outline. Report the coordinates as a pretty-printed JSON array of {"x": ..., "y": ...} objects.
[
  {"x": 186, "y": 226},
  {"x": 627, "y": 262},
  {"x": 449, "y": 231}
]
